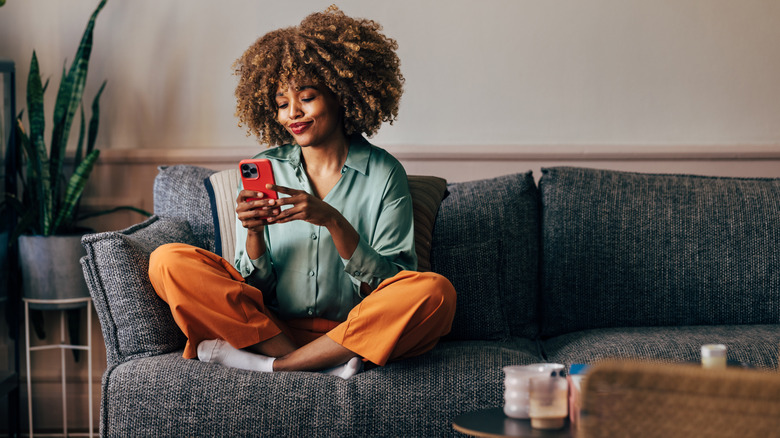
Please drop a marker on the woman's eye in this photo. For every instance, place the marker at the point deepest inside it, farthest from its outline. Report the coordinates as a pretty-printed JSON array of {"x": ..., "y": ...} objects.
[
  {"x": 307, "y": 98},
  {"x": 281, "y": 105}
]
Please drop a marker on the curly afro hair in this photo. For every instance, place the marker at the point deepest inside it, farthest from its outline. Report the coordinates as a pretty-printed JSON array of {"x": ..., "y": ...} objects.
[{"x": 351, "y": 57}]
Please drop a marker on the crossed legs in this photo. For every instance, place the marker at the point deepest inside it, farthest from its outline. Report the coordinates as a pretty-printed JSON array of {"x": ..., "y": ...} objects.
[{"x": 405, "y": 316}]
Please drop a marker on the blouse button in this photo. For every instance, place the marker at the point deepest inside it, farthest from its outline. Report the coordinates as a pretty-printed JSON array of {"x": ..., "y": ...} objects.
[
  {"x": 311, "y": 273},
  {"x": 310, "y": 311},
  {"x": 357, "y": 273},
  {"x": 313, "y": 236}
]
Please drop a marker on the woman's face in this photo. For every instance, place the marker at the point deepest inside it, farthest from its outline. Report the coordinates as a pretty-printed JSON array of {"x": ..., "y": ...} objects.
[{"x": 310, "y": 113}]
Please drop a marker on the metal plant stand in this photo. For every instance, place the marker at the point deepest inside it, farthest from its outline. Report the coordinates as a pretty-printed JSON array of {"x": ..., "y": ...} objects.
[{"x": 62, "y": 346}]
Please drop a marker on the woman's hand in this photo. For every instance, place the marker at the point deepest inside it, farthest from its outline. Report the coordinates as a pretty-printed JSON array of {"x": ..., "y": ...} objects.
[
  {"x": 304, "y": 207},
  {"x": 309, "y": 208},
  {"x": 254, "y": 210}
]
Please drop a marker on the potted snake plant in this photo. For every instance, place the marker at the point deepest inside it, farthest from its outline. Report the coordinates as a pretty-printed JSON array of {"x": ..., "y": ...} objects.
[
  {"x": 50, "y": 241},
  {"x": 48, "y": 234}
]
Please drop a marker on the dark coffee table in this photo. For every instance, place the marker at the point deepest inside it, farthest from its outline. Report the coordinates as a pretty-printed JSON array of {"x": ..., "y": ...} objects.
[{"x": 494, "y": 423}]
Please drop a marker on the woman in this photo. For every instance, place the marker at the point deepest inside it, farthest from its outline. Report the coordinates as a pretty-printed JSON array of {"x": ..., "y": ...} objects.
[{"x": 323, "y": 278}]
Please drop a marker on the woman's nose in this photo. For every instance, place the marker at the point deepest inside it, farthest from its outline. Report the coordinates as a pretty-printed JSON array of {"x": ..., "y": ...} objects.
[{"x": 295, "y": 110}]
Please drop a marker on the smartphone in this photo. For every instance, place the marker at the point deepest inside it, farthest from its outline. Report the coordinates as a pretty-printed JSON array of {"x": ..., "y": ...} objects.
[{"x": 256, "y": 173}]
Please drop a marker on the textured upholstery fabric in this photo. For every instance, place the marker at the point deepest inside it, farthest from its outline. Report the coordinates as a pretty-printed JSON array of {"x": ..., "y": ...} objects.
[
  {"x": 755, "y": 345},
  {"x": 627, "y": 249},
  {"x": 179, "y": 192},
  {"x": 427, "y": 193},
  {"x": 417, "y": 397},
  {"x": 486, "y": 242},
  {"x": 134, "y": 320}
]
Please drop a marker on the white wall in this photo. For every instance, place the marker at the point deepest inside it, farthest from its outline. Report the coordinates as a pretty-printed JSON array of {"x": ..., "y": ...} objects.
[{"x": 630, "y": 73}]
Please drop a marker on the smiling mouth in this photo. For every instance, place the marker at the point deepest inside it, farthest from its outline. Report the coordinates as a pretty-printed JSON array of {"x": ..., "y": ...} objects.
[{"x": 298, "y": 128}]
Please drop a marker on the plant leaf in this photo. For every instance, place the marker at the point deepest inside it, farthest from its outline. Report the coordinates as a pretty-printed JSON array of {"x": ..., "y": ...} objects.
[
  {"x": 38, "y": 160},
  {"x": 70, "y": 94},
  {"x": 94, "y": 120},
  {"x": 75, "y": 188},
  {"x": 24, "y": 148},
  {"x": 60, "y": 105},
  {"x": 80, "y": 145},
  {"x": 35, "y": 103}
]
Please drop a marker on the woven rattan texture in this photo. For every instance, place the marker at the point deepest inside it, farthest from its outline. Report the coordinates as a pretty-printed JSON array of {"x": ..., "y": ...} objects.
[{"x": 635, "y": 399}]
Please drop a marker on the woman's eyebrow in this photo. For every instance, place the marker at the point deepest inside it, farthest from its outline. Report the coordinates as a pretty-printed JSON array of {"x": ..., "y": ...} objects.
[{"x": 298, "y": 89}]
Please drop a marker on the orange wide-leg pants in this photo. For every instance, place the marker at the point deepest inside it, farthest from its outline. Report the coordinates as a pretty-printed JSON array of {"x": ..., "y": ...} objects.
[{"x": 209, "y": 299}]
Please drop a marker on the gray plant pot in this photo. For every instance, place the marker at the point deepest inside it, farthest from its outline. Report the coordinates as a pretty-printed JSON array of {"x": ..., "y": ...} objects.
[{"x": 51, "y": 270}]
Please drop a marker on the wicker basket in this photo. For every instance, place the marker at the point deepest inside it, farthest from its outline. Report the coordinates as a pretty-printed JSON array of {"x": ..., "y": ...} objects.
[{"x": 641, "y": 399}]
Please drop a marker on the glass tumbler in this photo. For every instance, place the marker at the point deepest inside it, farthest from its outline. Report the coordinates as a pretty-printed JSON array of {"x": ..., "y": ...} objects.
[
  {"x": 516, "y": 389},
  {"x": 549, "y": 397}
]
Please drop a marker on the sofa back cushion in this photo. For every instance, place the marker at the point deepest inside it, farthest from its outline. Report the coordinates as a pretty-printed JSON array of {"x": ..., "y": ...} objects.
[
  {"x": 627, "y": 249},
  {"x": 179, "y": 193},
  {"x": 486, "y": 242}
]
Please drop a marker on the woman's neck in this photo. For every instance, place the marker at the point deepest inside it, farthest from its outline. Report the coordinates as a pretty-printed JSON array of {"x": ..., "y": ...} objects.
[
  {"x": 327, "y": 159},
  {"x": 323, "y": 166}
]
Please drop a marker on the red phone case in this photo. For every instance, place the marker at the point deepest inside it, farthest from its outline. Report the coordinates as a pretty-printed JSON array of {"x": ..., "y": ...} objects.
[{"x": 256, "y": 173}]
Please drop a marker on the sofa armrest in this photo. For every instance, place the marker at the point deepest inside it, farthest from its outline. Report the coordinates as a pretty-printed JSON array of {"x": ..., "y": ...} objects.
[{"x": 134, "y": 320}]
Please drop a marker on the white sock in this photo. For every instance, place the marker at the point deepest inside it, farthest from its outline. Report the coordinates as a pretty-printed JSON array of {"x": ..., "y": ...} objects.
[
  {"x": 346, "y": 370},
  {"x": 219, "y": 351}
]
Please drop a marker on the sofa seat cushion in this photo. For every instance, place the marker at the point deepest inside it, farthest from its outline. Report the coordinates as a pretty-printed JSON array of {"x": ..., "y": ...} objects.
[
  {"x": 486, "y": 242},
  {"x": 171, "y": 396},
  {"x": 625, "y": 249},
  {"x": 755, "y": 345}
]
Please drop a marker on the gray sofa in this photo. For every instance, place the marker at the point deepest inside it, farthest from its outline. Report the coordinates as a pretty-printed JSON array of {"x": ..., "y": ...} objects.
[{"x": 588, "y": 264}]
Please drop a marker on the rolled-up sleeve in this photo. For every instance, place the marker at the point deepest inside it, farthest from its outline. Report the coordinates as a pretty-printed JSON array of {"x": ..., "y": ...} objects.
[
  {"x": 257, "y": 272},
  {"x": 392, "y": 247}
]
